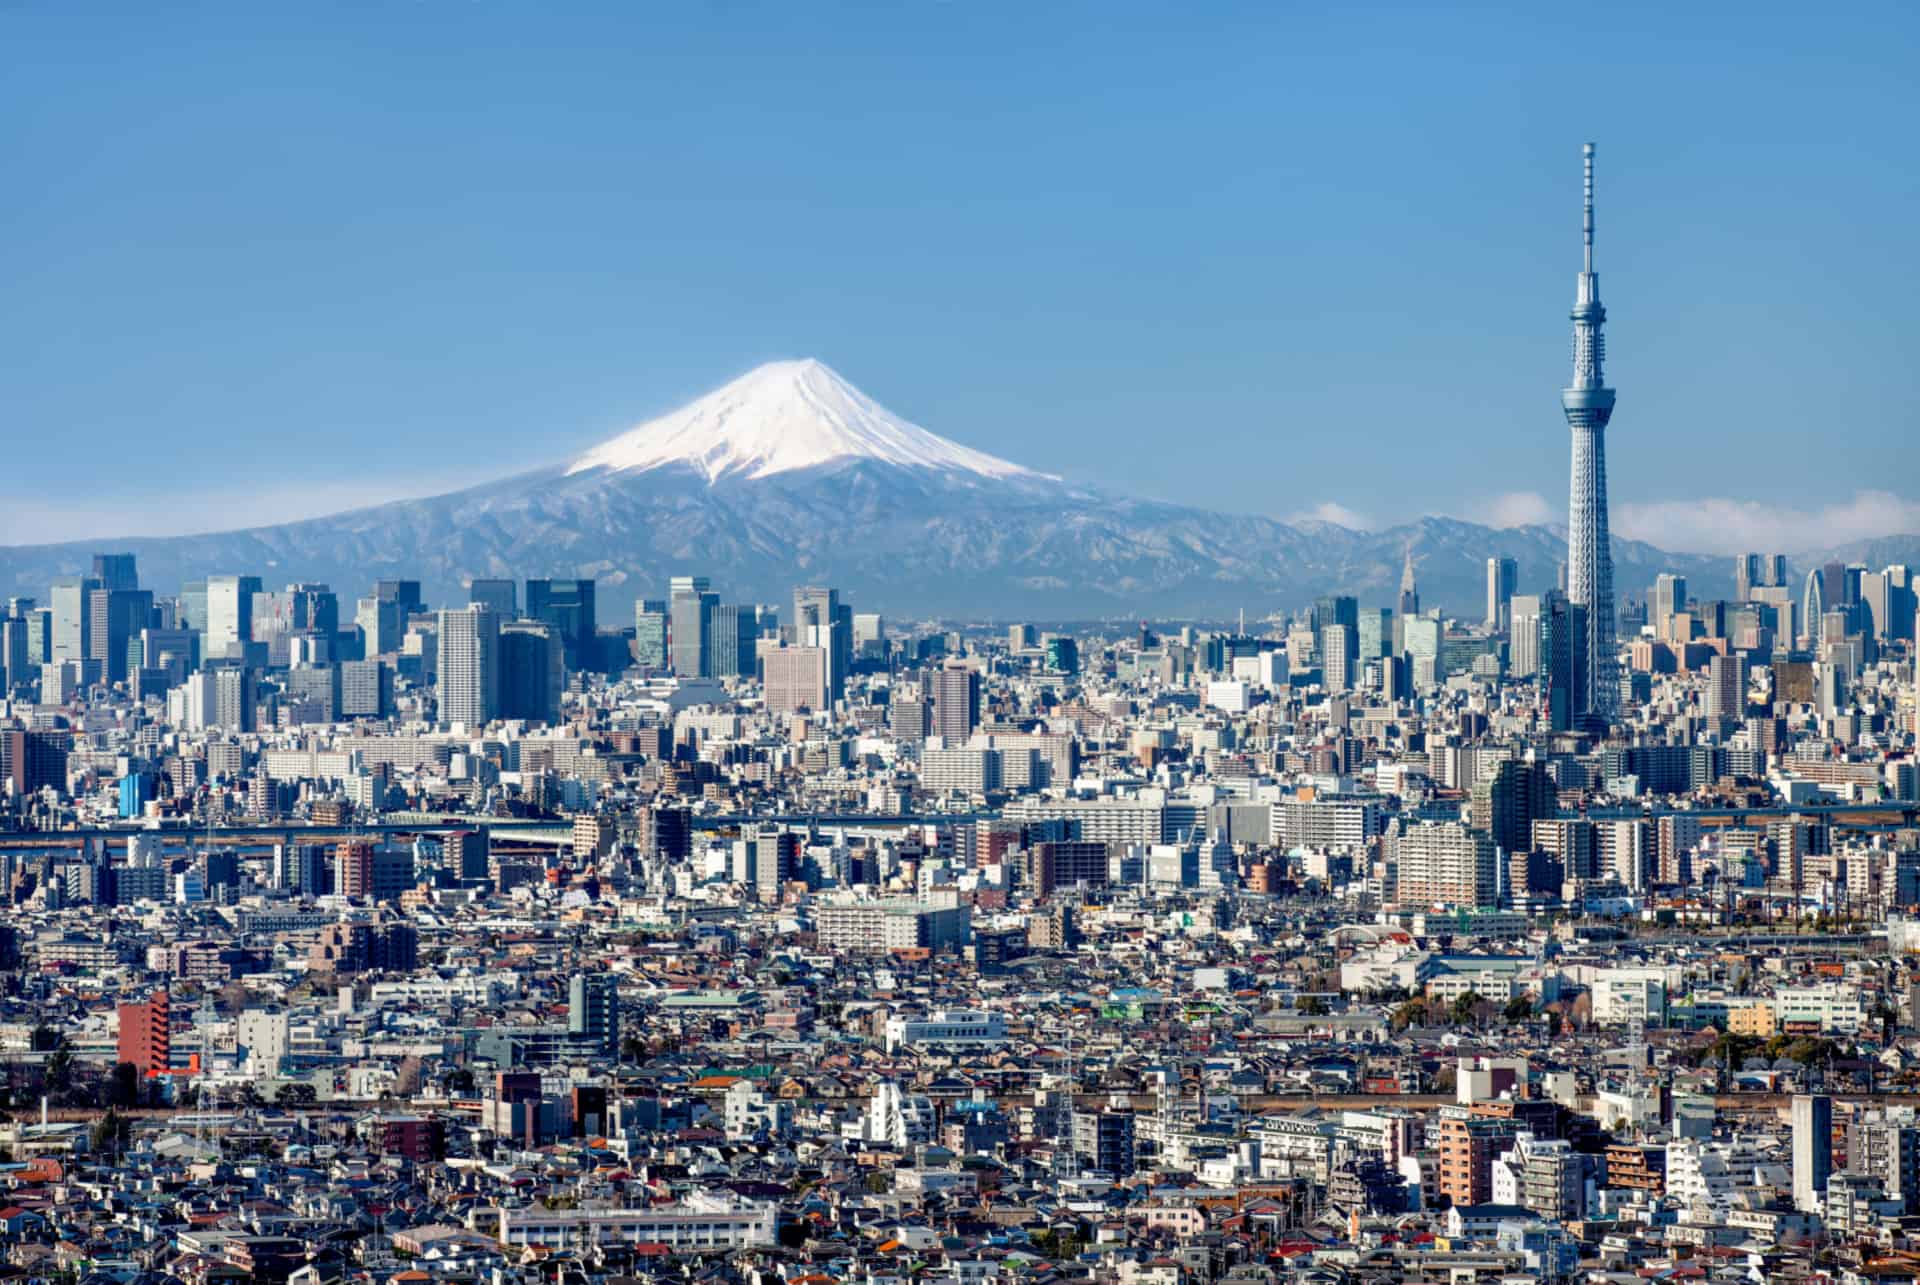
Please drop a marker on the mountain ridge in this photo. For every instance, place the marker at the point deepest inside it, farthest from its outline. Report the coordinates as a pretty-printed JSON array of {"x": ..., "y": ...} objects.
[{"x": 760, "y": 484}]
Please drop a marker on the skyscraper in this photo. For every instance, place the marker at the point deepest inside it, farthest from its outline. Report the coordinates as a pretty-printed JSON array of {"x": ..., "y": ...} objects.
[
  {"x": 1588, "y": 404},
  {"x": 1376, "y": 633},
  {"x": 469, "y": 666},
  {"x": 1336, "y": 657},
  {"x": 650, "y": 633},
  {"x": 532, "y": 670},
  {"x": 1409, "y": 589},
  {"x": 955, "y": 689},
  {"x": 1726, "y": 689},
  {"x": 691, "y": 602},
  {"x": 382, "y": 625},
  {"x": 500, "y": 596},
  {"x": 1503, "y": 577},
  {"x": 821, "y": 620},
  {"x": 1757, "y": 571},
  {"x": 236, "y": 699},
  {"x": 1812, "y": 1120},
  {"x": 116, "y": 618},
  {"x": 366, "y": 688},
  {"x": 404, "y": 593},
  {"x": 72, "y": 619},
  {"x": 1523, "y": 645},
  {"x": 229, "y": 614},
  {"x": 191, "y": 606},
  {"x": 568, "y": 606},
  {"x": 1422, "y": 635},
  {"x": 796, "y": 679},
  {"x": 1813, "y": 604},
  {"x": 115, "y": 571},
  {"x": 1669, "y": 599},
  {"x": 732, "y": 632},
  {"x": 13, "y": 649},
  {"x": 1338, "y": 609},
  {"x": 1565, "y": 635},
  {"x": 1506, "y": 802}
]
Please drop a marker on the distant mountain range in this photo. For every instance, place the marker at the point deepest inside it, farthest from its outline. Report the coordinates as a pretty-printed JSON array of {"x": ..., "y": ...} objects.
[{"x": 791, "y": 475}]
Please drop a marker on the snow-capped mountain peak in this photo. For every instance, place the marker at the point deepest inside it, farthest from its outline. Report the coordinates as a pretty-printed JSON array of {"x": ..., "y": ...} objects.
[{"x": 782, "y": 417}]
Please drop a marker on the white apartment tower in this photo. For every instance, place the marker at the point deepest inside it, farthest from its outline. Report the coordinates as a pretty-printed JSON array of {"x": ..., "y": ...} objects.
[{"x": 469, "y": 675}]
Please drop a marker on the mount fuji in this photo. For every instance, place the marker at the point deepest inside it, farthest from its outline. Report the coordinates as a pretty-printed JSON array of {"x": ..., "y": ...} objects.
[
  {"x": 786, "y": 417},
  {"x": 790, "y": 475}
]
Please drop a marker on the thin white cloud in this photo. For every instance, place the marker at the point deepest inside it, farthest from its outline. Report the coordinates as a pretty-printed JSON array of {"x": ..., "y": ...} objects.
[
  {"x": 1518, "y": 508},
  {"x": 1719, "y": 525},
  {"x": 1336, "y": 513},
  {"x": 25, "y": 519}
]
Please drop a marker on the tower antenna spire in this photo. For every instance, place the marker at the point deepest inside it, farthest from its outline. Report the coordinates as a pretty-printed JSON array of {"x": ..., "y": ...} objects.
[
  {"x": 1587, "y": 221},
  {"x": 1588, "y": 404}
]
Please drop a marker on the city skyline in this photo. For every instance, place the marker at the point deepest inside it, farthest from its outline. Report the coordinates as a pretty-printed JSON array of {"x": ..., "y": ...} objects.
[
  {"x": 607, "y": 798},
  {"x": 1221, "y": 291},
  {"x": 760, "y": 482}
]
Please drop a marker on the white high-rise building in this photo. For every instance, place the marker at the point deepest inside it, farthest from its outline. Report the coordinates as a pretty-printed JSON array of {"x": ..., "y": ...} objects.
[
  {"x": 1444, "y": 864},
  {"x": 72, "y": 620},
  {"x": 59, "y": 683},
  {"x": 1669, "y": 599},
  {"x": 1336, "y": 658},
  {"x": 469, "y": 674},
  {"x": 229, "y": 613},
  {"x": 1812, "y": 1117},
  {"x": 1503, "y": 577}
]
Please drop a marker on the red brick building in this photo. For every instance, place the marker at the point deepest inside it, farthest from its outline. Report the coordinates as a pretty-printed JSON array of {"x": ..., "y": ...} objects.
[{"x": 146, "y": 1035}]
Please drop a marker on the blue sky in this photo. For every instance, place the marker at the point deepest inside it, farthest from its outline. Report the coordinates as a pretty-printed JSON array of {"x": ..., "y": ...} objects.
[{"x": 262, "y": 260}]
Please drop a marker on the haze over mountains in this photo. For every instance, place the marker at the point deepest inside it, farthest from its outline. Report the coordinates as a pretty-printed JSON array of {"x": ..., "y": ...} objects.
[{"x": 791, "y": 474}]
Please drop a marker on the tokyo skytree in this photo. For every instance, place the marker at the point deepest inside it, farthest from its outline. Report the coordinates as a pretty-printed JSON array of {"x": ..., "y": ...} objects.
[{"x": 1588, "y": 403}]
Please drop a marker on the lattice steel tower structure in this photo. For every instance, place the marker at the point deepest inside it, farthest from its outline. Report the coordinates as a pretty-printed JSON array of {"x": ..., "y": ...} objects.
[{"x": 1588, "y": 403}]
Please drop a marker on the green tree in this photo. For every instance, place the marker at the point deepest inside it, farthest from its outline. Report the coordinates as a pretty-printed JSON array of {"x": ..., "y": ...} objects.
[
  {"x": 1519, "y": 1009},
  {"x": 110, "y": 1133},
  {"x": 125, "y": 1090},
  {"x": 1463, "y": 1007},
  {"x": 1414, "y": 1010},
  {"x": 60, "y": 1083},
  {"x": 1311, "y": 1006}
]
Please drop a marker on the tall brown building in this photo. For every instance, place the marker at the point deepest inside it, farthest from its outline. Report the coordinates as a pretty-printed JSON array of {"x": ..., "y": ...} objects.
[
  {"x": 1508, "y": 800},
  {"x": 353, "y": 869},
  {"x": 955, "y": 690},
  {"x": 1468, "y": 1144},
  {"x": 146, "y": 1035},
  {"x": 33, "y": 760}
]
